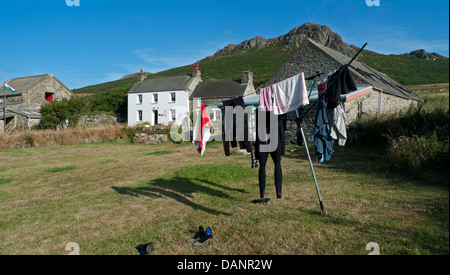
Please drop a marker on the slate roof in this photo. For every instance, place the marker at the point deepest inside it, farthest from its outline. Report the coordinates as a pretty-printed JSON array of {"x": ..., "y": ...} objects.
[
  {"x": 161, "y": 84},
  {"x": 26, "y": 112},
  {"x": 22, "y": 84},
  {"x": 312, "y": 56},
  {"x": 219, "y": 89},
  {"x": 378, "y": 80}
]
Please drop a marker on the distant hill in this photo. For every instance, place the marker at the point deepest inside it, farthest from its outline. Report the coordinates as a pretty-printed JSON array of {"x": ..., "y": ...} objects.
[
  {"x": 415, "y": 68},
  {"x": 265, "y": 56},
  {"x": 422, "y": 54}
]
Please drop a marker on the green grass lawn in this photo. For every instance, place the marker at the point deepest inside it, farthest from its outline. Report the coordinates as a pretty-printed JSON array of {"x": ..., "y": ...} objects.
[{"x": 110, "y": 197}]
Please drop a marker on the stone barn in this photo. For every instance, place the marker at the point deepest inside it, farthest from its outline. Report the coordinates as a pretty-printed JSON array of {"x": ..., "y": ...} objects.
[
  {"x": 377, "y": 92},
  {"x": 31, "y": 93}
]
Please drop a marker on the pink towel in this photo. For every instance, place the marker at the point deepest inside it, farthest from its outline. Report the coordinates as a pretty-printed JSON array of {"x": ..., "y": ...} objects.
[
  {"x": 290, "y": 94},
  {"x": 265, "y": 99}
]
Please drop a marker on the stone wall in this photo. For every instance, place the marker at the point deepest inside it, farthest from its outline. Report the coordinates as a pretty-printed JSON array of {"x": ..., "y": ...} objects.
[
  {"x": 144, "y": 138},
  {"x": 22, "y": 122},
  {"x": 12, "y": 99},
  {"x": 364, "y": 105},
  {"x": 98, "y": 120}
]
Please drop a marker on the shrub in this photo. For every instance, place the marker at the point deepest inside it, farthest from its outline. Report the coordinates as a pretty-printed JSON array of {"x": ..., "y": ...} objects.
[
  {"x": 62, "y": 113},
  {"x": 416, "y": 140},
  {"x": 30, "y": 140},
  {"x": 413, "y": 154}
]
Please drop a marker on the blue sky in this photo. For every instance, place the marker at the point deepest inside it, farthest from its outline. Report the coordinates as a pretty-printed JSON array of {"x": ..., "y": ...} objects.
[{"x": 103, "y": 40}]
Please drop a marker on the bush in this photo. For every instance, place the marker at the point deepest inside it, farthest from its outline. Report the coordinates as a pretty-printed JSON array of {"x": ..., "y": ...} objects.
[
  {"x": 114, "y": 102},
  {"x": 416, "y": 140},
  {"x": 64, "y": 113},
  {"x": 413, "y": 154}
]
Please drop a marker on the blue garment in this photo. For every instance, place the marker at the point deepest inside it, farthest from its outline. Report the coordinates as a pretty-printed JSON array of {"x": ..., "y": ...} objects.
[{"x": 321, "y": 133}]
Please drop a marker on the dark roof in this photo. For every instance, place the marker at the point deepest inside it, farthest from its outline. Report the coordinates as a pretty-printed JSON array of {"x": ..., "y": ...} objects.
[
  {"x": 161, "y": 84},
  {"x": 370, "y": 76},
  {"x": 219, "y": 89}
]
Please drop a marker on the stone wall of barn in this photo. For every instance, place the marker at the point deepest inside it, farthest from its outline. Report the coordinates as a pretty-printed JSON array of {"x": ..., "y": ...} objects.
[
  {"x": 34, "y": 98},
  {"x": 364, "y": 105}
]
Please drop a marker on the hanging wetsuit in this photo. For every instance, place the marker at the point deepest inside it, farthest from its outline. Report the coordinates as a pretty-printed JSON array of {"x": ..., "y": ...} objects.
[{"x": 275, "y": 155}]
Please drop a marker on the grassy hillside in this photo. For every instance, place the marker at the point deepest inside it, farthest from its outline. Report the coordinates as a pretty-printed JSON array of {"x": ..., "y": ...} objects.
[
  {"x": 118, "y": 85},
  {"x": 262, "y": 62},
  {"x": 409, "y": 70}
]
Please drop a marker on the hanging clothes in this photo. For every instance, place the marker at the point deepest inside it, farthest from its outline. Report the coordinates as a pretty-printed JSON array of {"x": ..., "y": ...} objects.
[
  {"x": 341, "y": 82},
  {"x": 246, "y": 143},
  {"x": 290, "y": 94},
  {"x": 321, "y": 133},
  {"x": 337, "y": 120},
  {"x": 321, "y": 88},
  {"x": 201, "y": 131},
  {"x": 265, "y": 99}
]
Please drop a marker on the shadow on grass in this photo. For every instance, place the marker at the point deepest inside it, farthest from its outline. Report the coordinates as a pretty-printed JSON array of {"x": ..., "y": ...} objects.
[{"x": 180, "y": 189}]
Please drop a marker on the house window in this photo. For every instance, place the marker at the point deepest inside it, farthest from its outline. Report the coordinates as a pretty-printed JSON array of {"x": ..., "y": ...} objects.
[
  {"x": 139, "y": 116},
  {"x": 172, "y": 97},
  {"x": 139, "y": 99},
  {"x": 217, "y": 115},
  {"x": 173, "y": 114},
  {"x": 155, "y": 98}
]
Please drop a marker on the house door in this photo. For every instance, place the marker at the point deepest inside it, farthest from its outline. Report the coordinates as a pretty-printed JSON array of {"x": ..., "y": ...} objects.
[
  {"x": 49, "y": 97},
  {"x": 155, "y": 117}
]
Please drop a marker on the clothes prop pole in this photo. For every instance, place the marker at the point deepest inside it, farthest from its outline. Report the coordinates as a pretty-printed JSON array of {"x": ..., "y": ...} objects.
[
  {"x": 322, "y": 209},
  {"x": 318, "y": 74}
]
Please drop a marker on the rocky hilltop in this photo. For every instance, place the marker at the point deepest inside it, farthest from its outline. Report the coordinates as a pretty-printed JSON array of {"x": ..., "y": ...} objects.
[
  {"x": 425, "y": 55},
  {"x": 134, "y": 75},
  {"x": 320, "y": 33}
]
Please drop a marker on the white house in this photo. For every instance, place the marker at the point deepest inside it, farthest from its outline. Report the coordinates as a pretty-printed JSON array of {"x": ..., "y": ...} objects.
[{"x": 161, "y": 100}]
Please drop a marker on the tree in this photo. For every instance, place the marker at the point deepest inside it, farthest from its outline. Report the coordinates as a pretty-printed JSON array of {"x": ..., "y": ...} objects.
[{"x": 64, "y": 113}]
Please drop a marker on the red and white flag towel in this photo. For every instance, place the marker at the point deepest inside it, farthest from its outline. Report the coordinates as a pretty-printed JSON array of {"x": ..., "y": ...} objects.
[{"x": 202, "y": 128}]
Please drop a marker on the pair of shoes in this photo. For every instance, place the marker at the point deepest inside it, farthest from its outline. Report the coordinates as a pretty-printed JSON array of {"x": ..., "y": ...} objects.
[
  {"x": 200, "y": 234},
  {"x": 145, "y": 249},
  {"x": 204, "y": 239},
  {"x": 200, "y": 237}
]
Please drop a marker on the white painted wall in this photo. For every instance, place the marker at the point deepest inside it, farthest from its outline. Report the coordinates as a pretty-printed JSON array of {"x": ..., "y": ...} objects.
[{"x": 164, "y": 105}]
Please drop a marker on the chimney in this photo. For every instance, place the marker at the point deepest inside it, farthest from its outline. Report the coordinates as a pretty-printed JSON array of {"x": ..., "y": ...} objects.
[
  {"x": 247, "y": 78},
  {"x": 196, "y": 71},
  {"x": 142, "y": 76}
]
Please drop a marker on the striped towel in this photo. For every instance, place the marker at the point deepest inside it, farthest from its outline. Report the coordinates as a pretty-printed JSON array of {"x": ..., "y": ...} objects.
[{"x": 290, "y": 94}]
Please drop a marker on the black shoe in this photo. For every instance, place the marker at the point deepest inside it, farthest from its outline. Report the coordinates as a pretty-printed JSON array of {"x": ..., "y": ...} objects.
[
  {"x": 204, "y": 239},
  {"x": 145, "y": 249},
  {"x": 200, "y": 234}
]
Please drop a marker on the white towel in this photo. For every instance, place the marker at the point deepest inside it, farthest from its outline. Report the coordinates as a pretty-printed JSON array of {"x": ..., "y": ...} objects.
[{"x": 290, "y": 94}]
